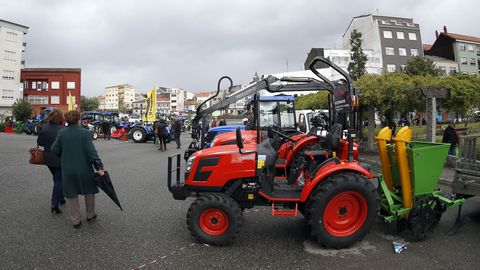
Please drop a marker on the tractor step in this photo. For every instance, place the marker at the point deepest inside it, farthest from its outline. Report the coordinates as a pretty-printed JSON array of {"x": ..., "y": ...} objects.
[
  {"x": 280, "y": 211},
  {"x": 281, "y": 168},
  {"x": 284, "y": 194}
]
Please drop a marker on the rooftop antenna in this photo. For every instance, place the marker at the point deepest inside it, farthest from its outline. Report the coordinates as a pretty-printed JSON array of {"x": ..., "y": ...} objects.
[
  {"x": 287, "y": 64},
  {"x": 378, "y": 13}
]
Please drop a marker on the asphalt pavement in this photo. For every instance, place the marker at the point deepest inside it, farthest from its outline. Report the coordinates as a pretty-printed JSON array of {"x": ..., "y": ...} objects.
[{"x": 152, "y": 234}]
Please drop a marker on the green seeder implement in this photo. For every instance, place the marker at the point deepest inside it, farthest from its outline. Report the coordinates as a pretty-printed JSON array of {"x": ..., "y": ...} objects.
[{"x": 408, "y": 184}]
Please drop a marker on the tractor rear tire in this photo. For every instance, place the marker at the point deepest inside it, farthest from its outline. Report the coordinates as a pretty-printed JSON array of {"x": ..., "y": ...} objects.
[
  {"x": 36, "y": 129},
  {"x": 342, "y": 210},
  {"x": 214, "y": 219}
]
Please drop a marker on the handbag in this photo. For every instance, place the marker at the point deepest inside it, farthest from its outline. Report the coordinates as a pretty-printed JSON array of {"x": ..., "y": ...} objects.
[{"x": 36, "y": 156}]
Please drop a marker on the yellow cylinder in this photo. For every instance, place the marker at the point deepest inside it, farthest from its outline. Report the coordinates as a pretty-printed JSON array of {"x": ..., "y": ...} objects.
[
  {"x": 403, "y": 137},
  {"x": 384, "y": 135}
]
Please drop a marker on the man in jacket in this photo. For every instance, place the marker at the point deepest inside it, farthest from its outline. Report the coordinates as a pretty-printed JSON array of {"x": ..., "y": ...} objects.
[
  {"x": 177, "y": 127},
  {"x": 450, "y": 136}
]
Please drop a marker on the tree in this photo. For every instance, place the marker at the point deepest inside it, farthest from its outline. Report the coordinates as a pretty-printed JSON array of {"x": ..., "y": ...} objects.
[
  {"x": 317, "y": 100},
  {"x": 22, "y": 110},
  {"x": 421, "y": 66},
  {"x": 89, "y": 103},
  {"x": 357, "y": 67},
  {"x": 464, "y": 93}
]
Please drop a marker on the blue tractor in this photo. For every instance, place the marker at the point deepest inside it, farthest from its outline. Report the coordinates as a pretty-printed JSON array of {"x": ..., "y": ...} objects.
[
  {"x": 140, "y": 133},
  {"x": 35, "y": 125}
]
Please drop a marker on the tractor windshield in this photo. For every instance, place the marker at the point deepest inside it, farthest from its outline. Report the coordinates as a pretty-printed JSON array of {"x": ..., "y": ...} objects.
[{"x": 277, "y": 113}]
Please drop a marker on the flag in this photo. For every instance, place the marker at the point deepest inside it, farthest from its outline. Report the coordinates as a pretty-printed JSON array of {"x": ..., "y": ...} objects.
[
  {"x": 70, "y": 101},
  {"x": 150, "y": 107}
]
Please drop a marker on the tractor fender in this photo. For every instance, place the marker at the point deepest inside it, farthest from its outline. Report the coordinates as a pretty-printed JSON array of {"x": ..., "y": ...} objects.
[
  {"x": 299, "y": 146},
  {"x": 331, "y": 169}
]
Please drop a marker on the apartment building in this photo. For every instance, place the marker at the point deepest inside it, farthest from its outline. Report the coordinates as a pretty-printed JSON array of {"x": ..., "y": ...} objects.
[
  {"x": 119, "y": 94},
  {"x": 341, "y": 57},
  {"x": 12, "y": 46},
  {"x": 463, "y": 49},
  {"x": 395, "y": 39},
  {"x": 51, "y": 87},
  {"x": 176, "y": 97}
]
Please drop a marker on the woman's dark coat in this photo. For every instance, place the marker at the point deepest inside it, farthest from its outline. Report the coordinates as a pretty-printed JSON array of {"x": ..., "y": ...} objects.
[{"x": 75, "y": 147}]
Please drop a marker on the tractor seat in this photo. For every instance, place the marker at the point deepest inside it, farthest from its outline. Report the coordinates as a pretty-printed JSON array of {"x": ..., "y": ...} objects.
[{"x": 333, "y": 137}]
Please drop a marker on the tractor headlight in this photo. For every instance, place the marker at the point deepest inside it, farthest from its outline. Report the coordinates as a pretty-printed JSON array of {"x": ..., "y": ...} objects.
[{"x": 189, "y": 165}]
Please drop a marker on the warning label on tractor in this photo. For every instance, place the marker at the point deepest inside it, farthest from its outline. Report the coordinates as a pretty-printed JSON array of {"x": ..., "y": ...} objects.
[{"x": 261, "y": 161}]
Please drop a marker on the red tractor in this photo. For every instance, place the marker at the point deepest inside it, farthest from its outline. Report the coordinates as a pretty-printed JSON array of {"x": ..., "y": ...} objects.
[{"x": 333, "y": 193}]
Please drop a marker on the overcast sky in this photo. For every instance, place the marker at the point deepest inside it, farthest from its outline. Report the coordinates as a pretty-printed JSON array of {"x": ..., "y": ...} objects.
[{"x": 191, "y": 44}]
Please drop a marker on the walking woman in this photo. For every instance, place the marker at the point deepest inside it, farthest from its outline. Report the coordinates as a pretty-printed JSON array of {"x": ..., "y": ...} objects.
[
  {"x": 78, "y": 156},
  {"x": 46, "y": 138}
]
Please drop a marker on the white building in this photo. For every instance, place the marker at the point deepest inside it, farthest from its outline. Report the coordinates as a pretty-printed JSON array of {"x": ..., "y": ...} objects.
[
  {"x": 341, "y": 57},
  {"x": 115, "y": 95},
  {"x": 12, "y": 47},
  {"x": 446, "y": 66},
  {"x": 395, "y": 39},
  {"x": 176, "y": 99}
]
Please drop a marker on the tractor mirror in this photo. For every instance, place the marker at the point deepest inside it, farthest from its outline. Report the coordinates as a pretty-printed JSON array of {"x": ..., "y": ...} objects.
[{"x": 239, "y": 139}]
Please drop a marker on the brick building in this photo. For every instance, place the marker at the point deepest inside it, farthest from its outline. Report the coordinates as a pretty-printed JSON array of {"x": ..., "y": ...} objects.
[{"x": 45, "y": 87}]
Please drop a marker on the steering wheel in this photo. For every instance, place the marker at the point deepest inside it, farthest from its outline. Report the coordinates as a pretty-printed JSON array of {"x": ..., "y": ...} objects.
[{"x": 281, "y": 135}]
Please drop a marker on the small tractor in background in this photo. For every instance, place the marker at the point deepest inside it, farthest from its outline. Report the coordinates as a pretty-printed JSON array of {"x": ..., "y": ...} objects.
[
  {"x": 334, "y": 193},
  {"x": 35, "y": 125}
]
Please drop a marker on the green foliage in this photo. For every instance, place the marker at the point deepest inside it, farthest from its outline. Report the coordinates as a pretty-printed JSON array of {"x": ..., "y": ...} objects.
[
  {"x": 357, "y": 67},
  {"x": 317, "y": 100},
  {"x": 2, "y": 126},
  {"x": 464, "y": 93},
  {"x": 19, "y": 127},
  {"x": 392, "y": 93},
  {"x": 89, "y": 103},
  {"x": 421, "y": 66},
  {"x": 22, "y": 110}
]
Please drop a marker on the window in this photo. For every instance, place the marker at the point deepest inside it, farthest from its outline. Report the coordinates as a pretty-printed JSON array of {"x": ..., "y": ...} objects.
[
  {"x": 7, "y": 94},
  {"x": 70, "y": 85},
  {"x": 412, "y": 36},
  {"x": 393, "y": 21},
  {"x": 8, "y": 75},
  {"x": 55, "y": 100},
  {"x": 389, "y": 51},
  {"x": 387, "y": 34},
  {"x": 462, "y": 47},
  {"x": 402, "y": 51},
  {"x": 37, "y": 100},
  {"x": 9, "y": 55},
  {"x": 403, "y": 67},
  {"x": 12, "y": 36},
  {"x": 472, "y": 61},
  {"x": 470, "y": 47},
  {"x": 391, "y": 68},
  {"x": 463, "y": 60},
  {"x": 34, "y": 85},
  {"x": 414, "y": 52},
  {"x": 55, "y": 85},
  {"x": 452, "y": 70},
  {"x": 400, "y": 35}
]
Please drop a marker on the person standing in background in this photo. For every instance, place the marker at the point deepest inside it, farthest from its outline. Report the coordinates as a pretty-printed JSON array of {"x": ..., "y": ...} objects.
[
  {"x": 47, "y": 136},
  {"x": 107, "y": 129},
  {"x": 450, "y": 136},
  {"x": 78, "y": 157},
  {"x": 177, "y": 127}
]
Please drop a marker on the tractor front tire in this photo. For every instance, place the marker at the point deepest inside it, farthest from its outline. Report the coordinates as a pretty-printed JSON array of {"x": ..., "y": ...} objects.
[
  {"x": 138, "y": 135},
  {"x": 342, "y": 210},
  {"x": 214, "y": 219}
]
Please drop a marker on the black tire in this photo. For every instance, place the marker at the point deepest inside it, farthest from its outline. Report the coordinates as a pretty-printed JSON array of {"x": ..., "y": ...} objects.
[
  {"x": 218, "y": 203},
  {"x": 36, "y": 129},
  {"x": 356, "y": 200},
  {"x": 113, "y": 128},
  {"x": 138, "y": 135},
  {"x": 94, "y": 135}
]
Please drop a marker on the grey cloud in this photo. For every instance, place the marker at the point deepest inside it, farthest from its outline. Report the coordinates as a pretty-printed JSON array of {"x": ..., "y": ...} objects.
[{"x": 190, "y": 44}]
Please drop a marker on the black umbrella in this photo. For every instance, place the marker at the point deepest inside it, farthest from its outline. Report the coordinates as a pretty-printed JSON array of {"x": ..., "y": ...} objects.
[{"x": 105, "y": 183}]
